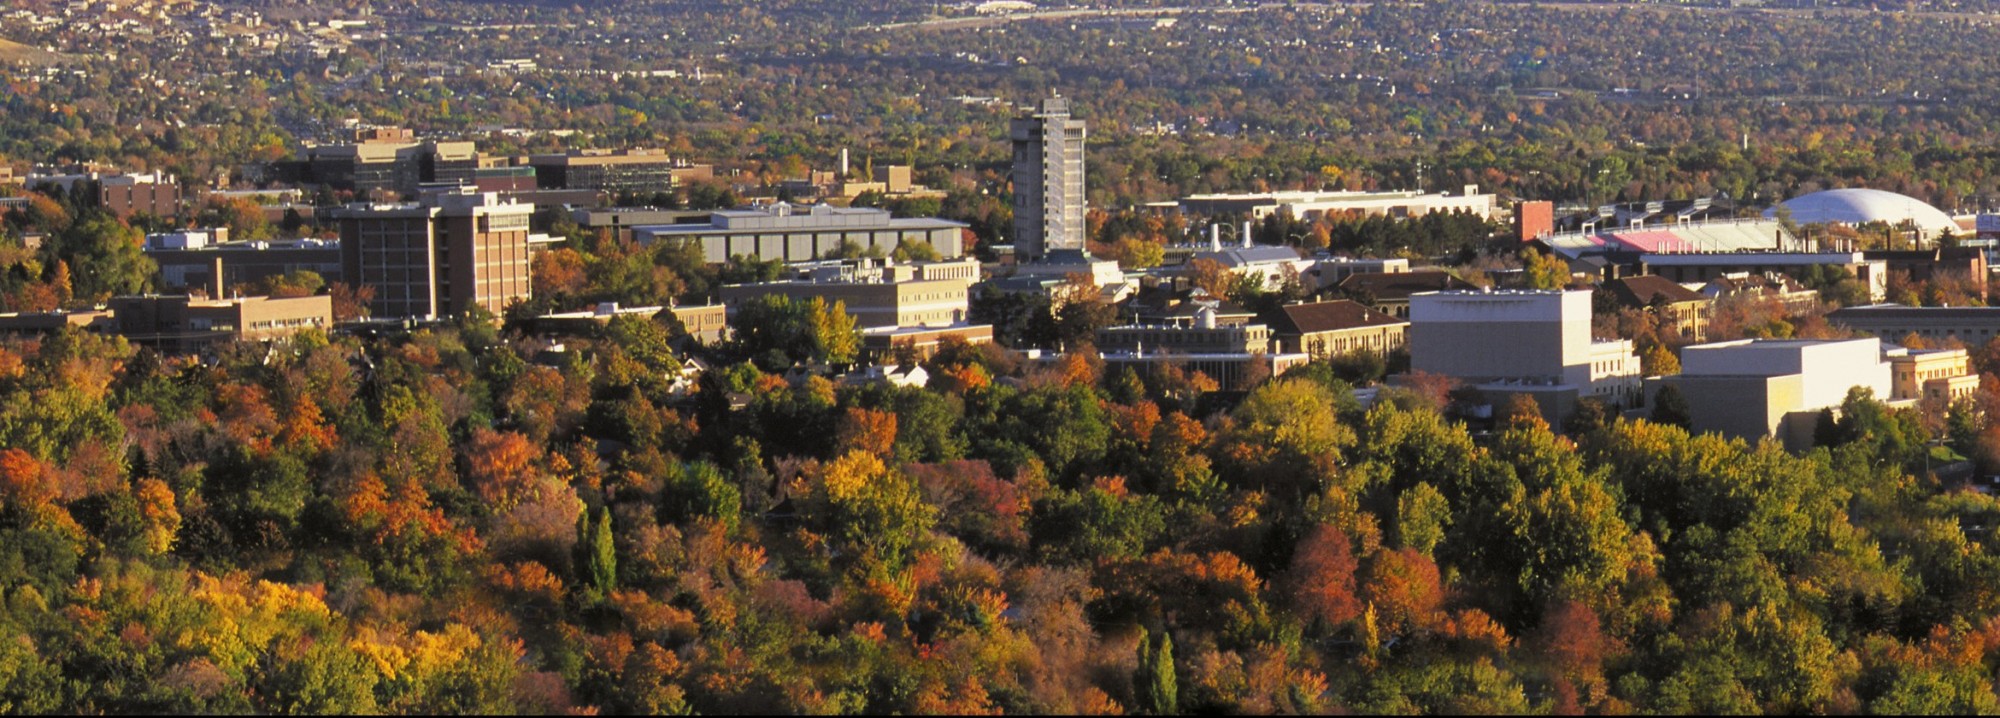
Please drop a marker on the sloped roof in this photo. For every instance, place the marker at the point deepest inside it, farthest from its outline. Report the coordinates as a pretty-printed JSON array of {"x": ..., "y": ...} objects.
[
  {"x": 1402, "y": 284},
  {"x": 1326, "y": 317},
  {"x": 1645, "y": 289}
]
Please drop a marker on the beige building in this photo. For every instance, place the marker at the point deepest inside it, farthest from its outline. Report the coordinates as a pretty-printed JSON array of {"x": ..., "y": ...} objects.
[
  {"x": 441, "y": 256},
  {"x": 51, "y": 321},
  {"x": 1531, "y": 342},
  {"x": 1755, "y": 388},
  {"x": 707, "y": 323},
  {"x": 880, "y": 343},
  {"x": 155, "y": 193},
  {"x": 1324, "y": 329},
  {"x": 1931, "y": 376},
  {"x": 1231, "y": 371},
  {"x": 184, "y": 324},
  {"x": 898, "y": 295},
  {"x": 1683, "y": 310}
]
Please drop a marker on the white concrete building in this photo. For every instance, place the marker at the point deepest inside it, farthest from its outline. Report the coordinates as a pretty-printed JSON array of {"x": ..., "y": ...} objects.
[
  {"x": 1753, "y": 388},
  {"x": 1308, "y": 204},
  {"x": 1534, "y": 342}
]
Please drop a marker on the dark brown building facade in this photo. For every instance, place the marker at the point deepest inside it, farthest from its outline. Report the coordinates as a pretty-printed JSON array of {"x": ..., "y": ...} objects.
[{"x": 451, "y": 252}]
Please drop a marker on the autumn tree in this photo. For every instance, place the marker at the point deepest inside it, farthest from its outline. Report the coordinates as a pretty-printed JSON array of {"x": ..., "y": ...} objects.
[{"x": 1320, "y": 581}]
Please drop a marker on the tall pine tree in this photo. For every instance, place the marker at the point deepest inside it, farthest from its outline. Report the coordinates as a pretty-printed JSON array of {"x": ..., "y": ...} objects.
[{"x": 1155, "y": 681}]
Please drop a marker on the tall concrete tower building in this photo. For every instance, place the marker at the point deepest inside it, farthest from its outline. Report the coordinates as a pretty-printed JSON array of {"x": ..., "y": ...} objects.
[{"x": 1048, "y": 180}]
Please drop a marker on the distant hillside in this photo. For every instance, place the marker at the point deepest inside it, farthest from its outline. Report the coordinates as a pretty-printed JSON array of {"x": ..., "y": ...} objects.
[{"x": 13, "y": 52}]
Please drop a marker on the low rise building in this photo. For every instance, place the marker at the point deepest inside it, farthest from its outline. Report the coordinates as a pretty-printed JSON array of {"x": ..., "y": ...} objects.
[
  {"x": 1232, "y": 371},
  {"x": 1309, "y": 204},
  {"x": 1272, "y": 266},
  {"x": 627, "y": 171},
  {"x": 1970, "y": 326},
  {"x": 878, "y": 343},
  {"x": 1326, "y": 329},
  {"x": 1936, "y": 377},
  {"x": 1966, "y": 265},
  {"x": 1207, "y": 336},
  {"x": 618, "y": 222},
  {"x": 1756, "y": 388},
  {"x": 386, "y": 160},
  {"x": 186, "y": 324},
  {"x": 155, "y": 193},
  {"x": 1059, "y": 266},
  {"x": 21, "y": 323},
  {"x": 1684, "y": 310},
  {"x": 791, "y": 233},
  {"x": 188, "y": 260},
  {"x": 706, "y": 323},
  {"x": 1700, "y": 268},
  {"x": 1232, "y": 355},
  {"x": 895, "y": 295},
  {"x": 1389, "y": 293},
  {"x": 1331, "y": 271}
]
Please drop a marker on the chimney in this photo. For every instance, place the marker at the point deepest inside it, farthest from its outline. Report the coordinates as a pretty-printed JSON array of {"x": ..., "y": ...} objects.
[
  {"x": 1246, "y": 234},
  {"x": 215, "y": 279},
  {"x": 843, "y": 164},
  {"x": 1215, "y": 238}
]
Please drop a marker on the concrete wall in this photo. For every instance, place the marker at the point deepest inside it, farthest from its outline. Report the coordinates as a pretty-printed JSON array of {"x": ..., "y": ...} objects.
[
  {"x": 1829, "y": 368},
  {"x": 1492, "y": 335}
]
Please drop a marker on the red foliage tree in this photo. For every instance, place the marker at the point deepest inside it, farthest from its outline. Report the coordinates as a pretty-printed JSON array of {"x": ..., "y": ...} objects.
[{"x": 1320, "y": 582}]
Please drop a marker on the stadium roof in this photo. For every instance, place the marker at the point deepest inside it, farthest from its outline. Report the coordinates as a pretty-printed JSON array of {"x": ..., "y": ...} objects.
[{"x": 1856, "y": 206}]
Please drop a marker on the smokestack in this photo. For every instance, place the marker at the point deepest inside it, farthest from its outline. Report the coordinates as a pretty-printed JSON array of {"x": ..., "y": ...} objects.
[
  {"x": 1246, "y": 234},
  {"x": 843, "y": 164},
  {"x": 1215, "y": 238},
  {"x": 215, "y": 280}
]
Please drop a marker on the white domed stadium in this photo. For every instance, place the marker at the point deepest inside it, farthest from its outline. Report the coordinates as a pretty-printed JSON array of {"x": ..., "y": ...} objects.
[{"x": 1857, "y": 206}]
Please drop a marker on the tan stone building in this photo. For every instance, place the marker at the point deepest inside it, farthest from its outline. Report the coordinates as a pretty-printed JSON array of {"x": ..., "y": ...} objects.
[
  {"x": 1389, "y": 293},
  {"x": 881, "y": 343},
  {"x": 1324, "y": 329},
  {"x": 157, "y": 194},
  {"x": 185, "y": 324},
  {"x": 1685, "y": 309},
  {"x": 707, "y": 323},
  {"x": 1932, "y": 376},
  {"x": 909, "y": 295}
]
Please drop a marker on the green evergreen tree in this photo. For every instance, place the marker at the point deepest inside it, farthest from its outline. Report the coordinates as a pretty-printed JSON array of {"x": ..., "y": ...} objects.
[
  {"x": 596, "y": 561},
  {"x": 1670, "y": 407},
  {"x": 1156, "y": 683}
]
